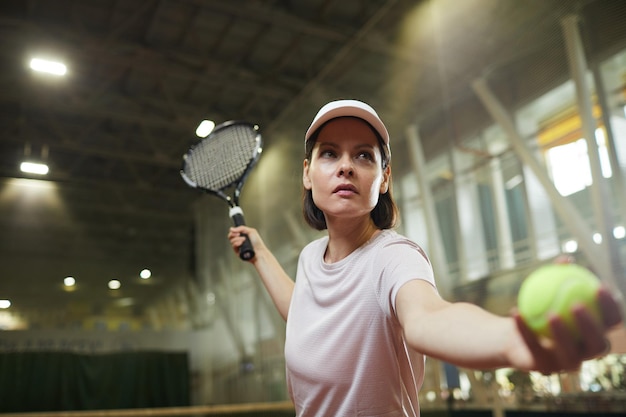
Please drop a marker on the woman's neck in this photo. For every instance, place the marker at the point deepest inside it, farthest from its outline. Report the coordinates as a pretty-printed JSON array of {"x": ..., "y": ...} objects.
[{"x": 345, "y": 236}]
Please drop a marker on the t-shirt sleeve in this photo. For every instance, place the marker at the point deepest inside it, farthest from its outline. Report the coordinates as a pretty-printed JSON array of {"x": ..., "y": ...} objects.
[{"x": 402, "y": 261}]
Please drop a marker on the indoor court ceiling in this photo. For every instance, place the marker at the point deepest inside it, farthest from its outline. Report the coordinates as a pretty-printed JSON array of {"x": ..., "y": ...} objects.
[{"x": 143, "y": 74}]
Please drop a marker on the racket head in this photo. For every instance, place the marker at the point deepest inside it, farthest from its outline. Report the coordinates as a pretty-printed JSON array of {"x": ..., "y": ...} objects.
[{"x": 224, "y": 158}]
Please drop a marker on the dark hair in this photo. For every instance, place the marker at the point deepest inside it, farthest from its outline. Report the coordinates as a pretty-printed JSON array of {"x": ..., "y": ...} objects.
[{"x": 384, "y": 215}]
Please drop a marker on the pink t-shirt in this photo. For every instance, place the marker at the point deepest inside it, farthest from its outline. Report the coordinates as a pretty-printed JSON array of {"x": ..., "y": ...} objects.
[{"x": 345, "y": 353}]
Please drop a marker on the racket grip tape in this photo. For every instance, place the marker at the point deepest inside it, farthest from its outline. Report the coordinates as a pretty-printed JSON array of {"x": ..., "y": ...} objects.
[{"x": 246, "y": 251}]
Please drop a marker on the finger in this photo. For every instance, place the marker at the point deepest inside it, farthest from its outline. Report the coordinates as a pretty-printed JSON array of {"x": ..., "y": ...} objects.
[
  {"x": 592, "y": 338},
  {"x": 565, "y": 259},
  {"x": 527, "y": 334},
  {"x": 541, "y": 358},
  {"x": 568, "y": 350},
  {"x": 611, "y": 312},
  {"x": 237, "y": 240},
  {"x": 239, "y": 229}
]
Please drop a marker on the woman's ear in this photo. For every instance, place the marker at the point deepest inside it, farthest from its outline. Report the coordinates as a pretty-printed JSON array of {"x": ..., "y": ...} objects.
[
  {"x": 306, "y": 181},
  {"x": 384, "y": 185}
]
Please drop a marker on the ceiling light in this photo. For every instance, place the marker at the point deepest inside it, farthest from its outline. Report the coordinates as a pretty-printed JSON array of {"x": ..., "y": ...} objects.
[
  {"x": 514, "y": 182},
  {"x": 5, "y": 304},
  {"x": 69, "y": 281},
  {"x": 619, "y": 232},
  {"x": 114, "y": 284},
  {"x": 204, "y": 128},
  {"x": 125, "y": 302},
  {"x": 48, "y": 67},
  {"x": 210, "y": 298},
  {"x": 145, "y": 274},
  {"x": 34, "y": 168}
]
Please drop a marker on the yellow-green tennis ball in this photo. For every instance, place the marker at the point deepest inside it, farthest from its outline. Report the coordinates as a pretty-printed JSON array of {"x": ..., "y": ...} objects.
[{"x": 555, "y": 289}]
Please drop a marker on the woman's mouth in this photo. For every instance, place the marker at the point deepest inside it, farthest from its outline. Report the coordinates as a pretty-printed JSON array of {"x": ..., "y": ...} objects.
[{"x": 345, "y": 190}]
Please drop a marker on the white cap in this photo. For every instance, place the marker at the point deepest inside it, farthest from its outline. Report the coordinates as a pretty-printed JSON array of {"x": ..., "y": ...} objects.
[{"x": 354, "y": 108}]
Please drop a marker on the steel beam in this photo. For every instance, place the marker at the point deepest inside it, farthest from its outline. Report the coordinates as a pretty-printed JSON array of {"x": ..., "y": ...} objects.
[
  {"x": 599, "y": 192},
  {"x": 436, "y": 249}
]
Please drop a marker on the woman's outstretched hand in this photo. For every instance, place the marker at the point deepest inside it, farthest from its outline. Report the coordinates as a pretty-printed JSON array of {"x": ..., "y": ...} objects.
[{"x": 565, "y": 350}]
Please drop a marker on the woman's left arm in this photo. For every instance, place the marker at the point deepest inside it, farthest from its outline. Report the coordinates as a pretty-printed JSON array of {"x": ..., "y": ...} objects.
[{"x": 469, "y": 336}]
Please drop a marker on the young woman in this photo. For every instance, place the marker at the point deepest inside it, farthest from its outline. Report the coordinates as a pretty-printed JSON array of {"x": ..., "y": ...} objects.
[{"x": 364, "y": 310}]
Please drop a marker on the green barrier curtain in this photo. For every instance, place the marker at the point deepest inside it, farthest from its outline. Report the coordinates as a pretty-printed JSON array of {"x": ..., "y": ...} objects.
[{"x": 58, "y": 381}]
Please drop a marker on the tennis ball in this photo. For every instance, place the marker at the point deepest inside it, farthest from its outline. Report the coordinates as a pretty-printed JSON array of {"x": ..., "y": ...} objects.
[{"x": 555, "y": 289}]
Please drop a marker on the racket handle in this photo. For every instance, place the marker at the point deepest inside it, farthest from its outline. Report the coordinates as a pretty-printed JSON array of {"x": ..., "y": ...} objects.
[{"x": 246, "y": 251}]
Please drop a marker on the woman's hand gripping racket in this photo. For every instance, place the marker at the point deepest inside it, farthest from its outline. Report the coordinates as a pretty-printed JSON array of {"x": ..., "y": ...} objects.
[{"x": 221, "y": 161}]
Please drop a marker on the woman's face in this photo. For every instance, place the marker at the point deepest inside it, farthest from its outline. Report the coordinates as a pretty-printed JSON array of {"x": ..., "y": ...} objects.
[{"x": 345, "y": 173}]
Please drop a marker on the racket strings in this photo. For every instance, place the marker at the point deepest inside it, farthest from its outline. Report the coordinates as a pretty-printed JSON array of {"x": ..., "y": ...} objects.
[{"x": 223, "y": 158}]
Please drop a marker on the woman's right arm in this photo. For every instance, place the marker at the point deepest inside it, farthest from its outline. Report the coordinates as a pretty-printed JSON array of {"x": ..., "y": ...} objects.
[{"x": 278, "y": 284}]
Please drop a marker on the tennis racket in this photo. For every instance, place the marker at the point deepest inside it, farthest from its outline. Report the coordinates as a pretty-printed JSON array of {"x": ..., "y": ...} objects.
[{"x": 222, "y": 161}]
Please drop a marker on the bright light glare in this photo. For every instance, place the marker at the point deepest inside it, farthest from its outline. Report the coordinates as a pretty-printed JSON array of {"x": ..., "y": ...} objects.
[
  {"x": 145, "y": 274},
  {"x": 34, "y": 168},
  {"x": 5, "y": 304},
  {"x": 619, "y": 232},
  {"x": 570, "y": 246},
  {"x": 597, "y": 237},
  {"x": 49, "y": 67},
  {"x": 69, "y": 281},
  {"x": 204, "y": 128},
  {"x": 114, "y": 284}
]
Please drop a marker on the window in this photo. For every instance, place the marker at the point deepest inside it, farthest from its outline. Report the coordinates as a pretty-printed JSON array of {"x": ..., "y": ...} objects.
[{"x": 569, "y": 166}]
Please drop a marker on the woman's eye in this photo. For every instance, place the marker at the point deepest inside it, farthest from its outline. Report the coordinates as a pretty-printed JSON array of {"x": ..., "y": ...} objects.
[
  {"x": 327, "y": 153},
  {"x": 366, "y": 155}
]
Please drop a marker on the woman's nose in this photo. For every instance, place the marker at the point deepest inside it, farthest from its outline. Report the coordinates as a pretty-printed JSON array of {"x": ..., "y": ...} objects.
[{"x": 345, "y": 167}]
